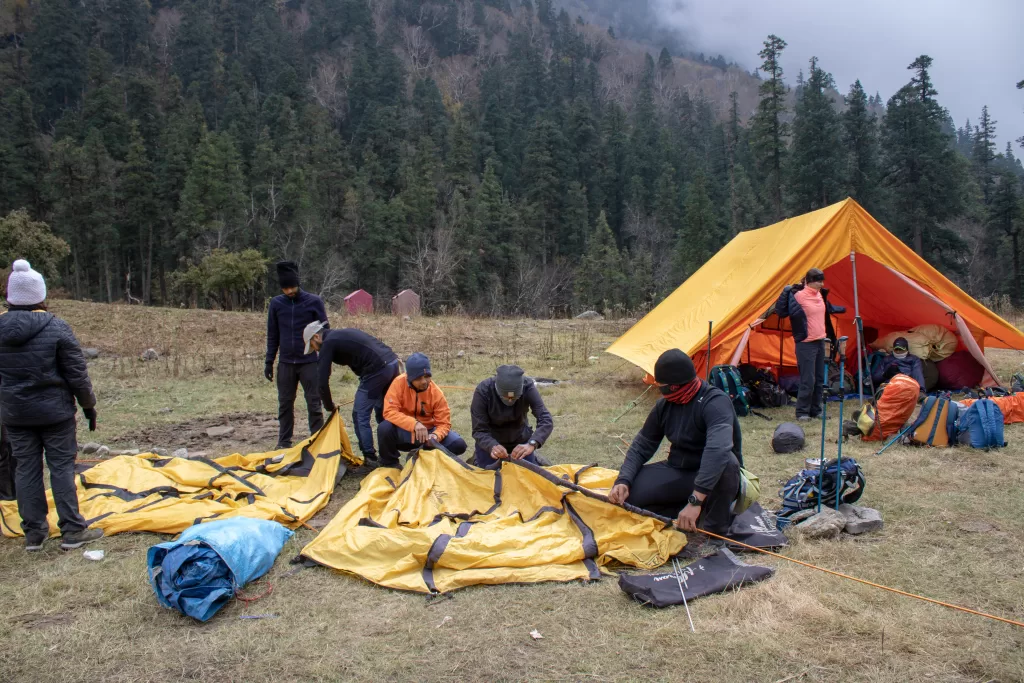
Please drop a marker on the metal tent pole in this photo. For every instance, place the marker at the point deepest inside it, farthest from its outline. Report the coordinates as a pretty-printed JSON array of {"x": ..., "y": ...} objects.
[{"x": 860, "y": 331}]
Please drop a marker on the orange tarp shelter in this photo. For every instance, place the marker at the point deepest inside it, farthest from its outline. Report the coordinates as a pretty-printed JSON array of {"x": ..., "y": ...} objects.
[{"x": 867, "y": 269}]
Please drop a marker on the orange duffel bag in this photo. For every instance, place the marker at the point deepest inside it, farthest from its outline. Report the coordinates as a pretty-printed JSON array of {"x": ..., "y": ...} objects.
[
  {"x": 1012, "y": 407},
  {"x": 894, "y": 407}
]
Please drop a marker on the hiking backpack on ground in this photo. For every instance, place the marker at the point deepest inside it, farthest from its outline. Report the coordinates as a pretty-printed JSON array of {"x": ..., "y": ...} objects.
[
  {"x": 981, "y": 425},
  {"x": 936, "y": 423},
  {"x": 896, "y": 403},
  {"x": 765, "y": 392},
  {"x": 802, "y": 491},
  {"x": 727, "y": 378}
]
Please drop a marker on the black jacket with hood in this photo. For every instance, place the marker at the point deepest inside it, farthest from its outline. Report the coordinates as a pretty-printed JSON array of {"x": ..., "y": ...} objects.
[
  {"x": 788, "y": 307},
  {"x": 42, "y": 370}
]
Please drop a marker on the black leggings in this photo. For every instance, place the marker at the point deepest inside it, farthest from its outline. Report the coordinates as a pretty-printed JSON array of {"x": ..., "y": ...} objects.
[{"x": 664, "y": 489}]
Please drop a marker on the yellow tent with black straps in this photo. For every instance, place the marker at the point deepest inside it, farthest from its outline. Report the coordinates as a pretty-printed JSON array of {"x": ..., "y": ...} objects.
[
  {"x": 167, "y": 495},
  {"x": 864, "y": 264},
  {"x": 440, "y": 524}
]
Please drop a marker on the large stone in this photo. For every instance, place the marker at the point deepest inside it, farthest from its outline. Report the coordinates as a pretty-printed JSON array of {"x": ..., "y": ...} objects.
[
  {"x": 90, "y": 448},
  {"x": 590, "y": 315},
  {"x": 826, "y": 524},
  {"x": 181, "y": 453},
  {"x": 91, "y": 353},
  {"x": 102, "y": 452},
  {"x": 128, "y": 451},
  {"x": 149, "y": 354},
  {"x": 219, "y": 432},
  {"x": 860, "y": 520}
]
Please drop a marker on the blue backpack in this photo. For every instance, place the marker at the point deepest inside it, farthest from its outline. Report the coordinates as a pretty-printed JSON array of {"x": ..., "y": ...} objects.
[
  {"x": 981, "y": 425},
  {"x": 727, "y": 378}
]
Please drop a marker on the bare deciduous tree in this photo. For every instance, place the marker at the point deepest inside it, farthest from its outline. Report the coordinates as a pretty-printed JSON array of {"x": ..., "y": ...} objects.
[
  {"x": 419, "y": 50},
  {"x": 165, "y": 30},
  {"x": 327, "y": 85}
]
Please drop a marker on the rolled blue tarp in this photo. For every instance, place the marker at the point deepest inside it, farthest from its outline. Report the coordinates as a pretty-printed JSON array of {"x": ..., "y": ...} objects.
[{"x": 200, "y": 572}]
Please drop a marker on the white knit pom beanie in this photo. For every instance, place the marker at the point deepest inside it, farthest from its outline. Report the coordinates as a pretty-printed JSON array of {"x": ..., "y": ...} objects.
[{"x": 25, "y": 287}]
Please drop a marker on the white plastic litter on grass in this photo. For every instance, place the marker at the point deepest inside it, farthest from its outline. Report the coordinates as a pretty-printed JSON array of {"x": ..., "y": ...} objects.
[
  {"x": 535, "y": 634},
  {"x": 95, "y": 555}
]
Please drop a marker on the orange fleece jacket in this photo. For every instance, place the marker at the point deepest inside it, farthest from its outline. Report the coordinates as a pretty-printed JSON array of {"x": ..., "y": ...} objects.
[{"x": 403, "y": 407}]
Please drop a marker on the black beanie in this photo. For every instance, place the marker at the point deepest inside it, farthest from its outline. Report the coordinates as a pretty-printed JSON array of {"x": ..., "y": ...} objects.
[
  {"x": 288, "y": 274},
  {"x": 674, "y": 367}
]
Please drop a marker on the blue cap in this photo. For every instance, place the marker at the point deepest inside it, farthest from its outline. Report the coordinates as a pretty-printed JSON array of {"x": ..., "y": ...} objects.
[{"x": 416, "y": 366}]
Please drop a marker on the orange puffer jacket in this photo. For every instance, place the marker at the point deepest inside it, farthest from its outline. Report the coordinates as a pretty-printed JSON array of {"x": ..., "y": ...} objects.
[{"x": 403, "y": 407}]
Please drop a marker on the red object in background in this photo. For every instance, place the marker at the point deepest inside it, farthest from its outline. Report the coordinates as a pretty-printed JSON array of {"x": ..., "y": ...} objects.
[
  {"x": 359, "y": 301},
  {"x": 406, "y": 302}
]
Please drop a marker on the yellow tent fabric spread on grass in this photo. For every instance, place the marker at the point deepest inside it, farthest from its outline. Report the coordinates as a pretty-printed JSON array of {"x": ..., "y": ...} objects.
[
  {"x": 166, "y": 495},
  {"x": 440, "y": 524}
]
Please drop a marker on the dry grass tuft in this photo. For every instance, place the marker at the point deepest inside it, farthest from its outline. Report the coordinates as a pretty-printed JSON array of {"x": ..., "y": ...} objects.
[{"x": 954, "y": 532}]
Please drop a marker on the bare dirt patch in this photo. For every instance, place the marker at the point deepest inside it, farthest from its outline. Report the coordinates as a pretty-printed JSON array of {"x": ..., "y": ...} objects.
[{"x": 252, "y": 433}]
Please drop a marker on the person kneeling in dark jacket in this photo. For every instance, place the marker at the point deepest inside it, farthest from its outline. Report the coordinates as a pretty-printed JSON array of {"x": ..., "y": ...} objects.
[
  {"x": 42, "y": 373},
  {"x": 700, "y": 481},
  {"x": 501, "y": 428}
]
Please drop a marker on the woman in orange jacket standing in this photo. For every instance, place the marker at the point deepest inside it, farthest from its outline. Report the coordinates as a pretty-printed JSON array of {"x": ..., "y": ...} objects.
[{"x": 416, "y": 414}]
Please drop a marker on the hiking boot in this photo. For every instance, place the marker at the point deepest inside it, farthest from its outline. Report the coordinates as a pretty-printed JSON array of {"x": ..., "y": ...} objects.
[
  {"x": 34, "y": 541},
  {"x": 76, "y": 539},
  {"x": 370, "y": 457}
]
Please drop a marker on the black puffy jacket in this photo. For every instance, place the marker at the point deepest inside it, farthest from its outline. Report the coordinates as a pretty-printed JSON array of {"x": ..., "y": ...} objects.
[{"x": 42, "y": 370}]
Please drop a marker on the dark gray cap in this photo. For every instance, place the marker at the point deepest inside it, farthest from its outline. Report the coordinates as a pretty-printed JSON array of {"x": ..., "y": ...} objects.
[{"x": 509, "y": 380}]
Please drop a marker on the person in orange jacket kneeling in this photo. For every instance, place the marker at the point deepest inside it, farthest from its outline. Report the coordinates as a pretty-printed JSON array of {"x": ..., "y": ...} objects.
[{"x": 416, "y": 414}]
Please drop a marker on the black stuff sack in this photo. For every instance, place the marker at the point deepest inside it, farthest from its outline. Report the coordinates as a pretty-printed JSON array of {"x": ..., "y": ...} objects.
[
  {"x": 788, "y": 438},
  {"x": 714, "y": 574},
  {"x": 756, "y": 527}
]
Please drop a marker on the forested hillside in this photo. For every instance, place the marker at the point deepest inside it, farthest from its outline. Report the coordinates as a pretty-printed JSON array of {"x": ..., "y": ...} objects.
[{"x": 499, "y": 156}]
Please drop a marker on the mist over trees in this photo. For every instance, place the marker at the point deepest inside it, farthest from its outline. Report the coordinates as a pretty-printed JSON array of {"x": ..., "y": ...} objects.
[{"x": 499, "y": 156}]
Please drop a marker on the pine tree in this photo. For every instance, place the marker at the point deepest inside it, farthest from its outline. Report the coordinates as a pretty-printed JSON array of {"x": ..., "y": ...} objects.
[
  {"x": 860, "y": 139},
  {"x": 599, "y": 279},
  {"x": 768, "y": 130},
  {"x": 543, "y": 164},
  {"x": 139, "y": 214},
  {"x": 58, "y": 51},
  {"x": 700, "y": 236},
  {"x": 665, "y": 60},
  {"x": 921, "y": 170},
  {"x": 1005, "y": 216},
  {"x": 213, "y": 199},
  {"x": 22, "y": 161},
  {"x": 816, "y": 166},
  {"x": 984, "y": 153}
]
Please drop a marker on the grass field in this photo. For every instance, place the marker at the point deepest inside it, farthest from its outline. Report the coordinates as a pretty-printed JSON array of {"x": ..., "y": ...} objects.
[{"x": 954, "y": 530}]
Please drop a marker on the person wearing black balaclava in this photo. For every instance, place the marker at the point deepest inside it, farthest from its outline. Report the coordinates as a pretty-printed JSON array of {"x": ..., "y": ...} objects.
[
  {"x": 288, "y": 315},
  {"x": 700, "y": 480},
  {"x": 501, "y": 427}
]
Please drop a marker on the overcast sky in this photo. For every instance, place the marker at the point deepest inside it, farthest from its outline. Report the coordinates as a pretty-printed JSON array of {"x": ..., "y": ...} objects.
[{"x": 978, "y": 46}]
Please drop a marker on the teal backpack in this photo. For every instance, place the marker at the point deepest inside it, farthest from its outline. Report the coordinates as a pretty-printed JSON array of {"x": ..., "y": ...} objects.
[{"x": 727, "y": 378}]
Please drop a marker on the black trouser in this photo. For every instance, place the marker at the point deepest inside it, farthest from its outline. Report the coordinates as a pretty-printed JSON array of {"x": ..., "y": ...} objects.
[
  {"x": 664, "y": 489},
  {"x": 289, "y": 376},
  {"x": 6, "y": 467},
  {"x": 393, "y": 440},
  {"x": 61, "y": 447},
  {"x": 810, "y": 359}
]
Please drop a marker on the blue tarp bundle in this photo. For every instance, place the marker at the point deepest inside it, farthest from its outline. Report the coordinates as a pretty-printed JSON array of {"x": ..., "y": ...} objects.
[{"x": 198, "y": 573}]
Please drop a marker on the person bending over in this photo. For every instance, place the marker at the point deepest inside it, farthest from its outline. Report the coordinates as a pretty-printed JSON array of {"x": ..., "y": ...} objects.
[
  {"x": 416, "y": 414},
  {"x": 372, "y": 361},
  {"x": 899, "y": 362},
  {"x": 501, "y": 428},
  {"x": 700, "y": 480}
]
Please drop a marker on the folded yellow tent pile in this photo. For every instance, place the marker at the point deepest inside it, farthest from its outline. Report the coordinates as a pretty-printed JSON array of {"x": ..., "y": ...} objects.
[
  {"x": 439, "y": 525},
  {"x": 166, "y": 495}
]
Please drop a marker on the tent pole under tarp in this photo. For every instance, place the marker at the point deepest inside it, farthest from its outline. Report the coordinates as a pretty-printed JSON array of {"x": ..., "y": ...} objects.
[{"x": 859, "y": 333}]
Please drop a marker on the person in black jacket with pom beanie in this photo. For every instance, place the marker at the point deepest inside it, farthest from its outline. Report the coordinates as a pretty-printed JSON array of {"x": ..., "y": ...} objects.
[{"x": 42, "y": 374}]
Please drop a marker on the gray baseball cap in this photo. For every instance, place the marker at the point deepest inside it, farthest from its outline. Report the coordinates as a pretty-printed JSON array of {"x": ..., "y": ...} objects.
[{"x": 311, "y": 331}]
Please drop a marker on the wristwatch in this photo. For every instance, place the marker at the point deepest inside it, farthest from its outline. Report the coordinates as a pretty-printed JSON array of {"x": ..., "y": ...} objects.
[
  {"x": 533, "y": 442},
  {"x": 692, "y": 500}
]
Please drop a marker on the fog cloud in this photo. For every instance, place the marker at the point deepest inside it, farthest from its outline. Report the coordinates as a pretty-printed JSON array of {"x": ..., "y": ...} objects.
[{"x": 977, "y": 46}]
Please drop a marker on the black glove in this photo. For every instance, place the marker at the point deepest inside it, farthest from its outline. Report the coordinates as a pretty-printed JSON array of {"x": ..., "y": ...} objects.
[
  {"x": 268, "y": 372},
  {"x": 90, "y": 415}
]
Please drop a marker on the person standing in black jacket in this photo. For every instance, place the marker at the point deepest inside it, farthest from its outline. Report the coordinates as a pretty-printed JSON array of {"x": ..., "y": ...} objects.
[
  {"x": 810, "y": 314},
  {"x": 372, "y": 361},
  {"x": 289, "y": 314},
  {"x": 42, "y": 374},
  {"x": 500, "y": 425},
  {"x": 700, "y": 480}
]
